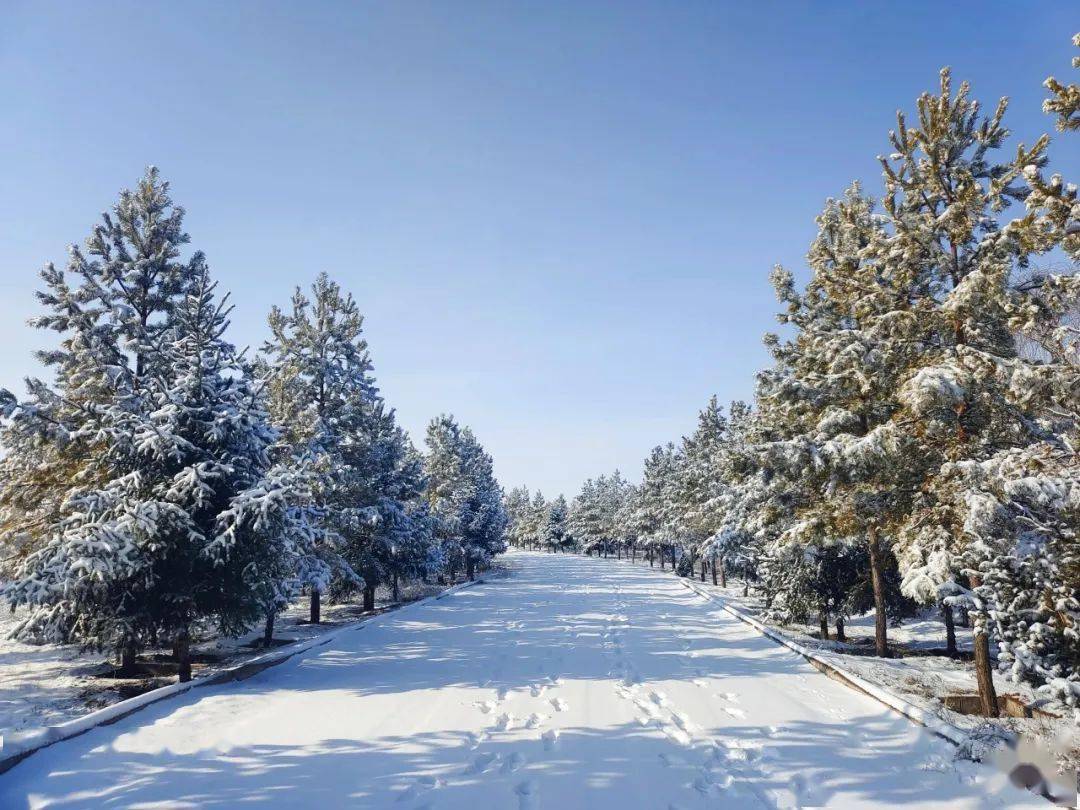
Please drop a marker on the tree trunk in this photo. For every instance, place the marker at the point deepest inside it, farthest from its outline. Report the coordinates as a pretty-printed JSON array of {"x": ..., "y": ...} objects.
[
  {"x": 268, "y": 628},
  {"x": 984, "y": 673},
  {"x": 127, "y": 659},
  {"x": 369, "y": 597},
  {"x": 823, "y": 623},
  {"x": 723, "y": 574},
  {"x": 633, "y": 553},
  {"x": 950, "y": 631},
  {"x": 840, "y": 629},
  {"x": 746, "y": 587},
  {"x": 396, "y": 595},
  {"x": 713, "y": 567},
  {"x": 704, "y": 565},
  {"x": 470, "y": 568},
  {"x": 316, "y": 612},
  {"x": 663, "y": 560},
  {"x": 673, "y": 561},
  {"x": 183, "y": 658},
  {"x": 881, "y": 638}
]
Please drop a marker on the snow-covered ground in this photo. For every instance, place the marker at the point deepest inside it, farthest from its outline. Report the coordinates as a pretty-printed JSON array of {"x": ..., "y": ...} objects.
[
  {"x": 923, "y": 680},
  {"x": 46, "y": 684},
  {"x": 574, "y": 683}
]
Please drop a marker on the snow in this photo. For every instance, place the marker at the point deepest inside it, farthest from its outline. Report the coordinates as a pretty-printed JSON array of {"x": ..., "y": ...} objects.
[
  {"x": 612, "y": 687},
  {"x": 49, "y": 684}
]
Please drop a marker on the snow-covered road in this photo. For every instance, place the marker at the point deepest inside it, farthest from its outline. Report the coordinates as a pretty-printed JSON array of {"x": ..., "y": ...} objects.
[{"x": 574, "y": 683}]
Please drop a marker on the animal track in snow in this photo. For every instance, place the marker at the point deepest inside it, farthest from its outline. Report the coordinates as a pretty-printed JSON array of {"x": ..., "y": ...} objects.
[
  {"x": 486, "y": 706},
  {"x": 505, "y": 722},
  {"x": 559, "y": 705},
  {"x": 734, "y": 711},
  {"x": 538, "y": 689},
  {"x": 659, "y": 698}
]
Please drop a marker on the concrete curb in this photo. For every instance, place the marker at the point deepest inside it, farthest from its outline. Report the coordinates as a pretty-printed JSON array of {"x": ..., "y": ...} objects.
[{"x": 14, "y": 748}]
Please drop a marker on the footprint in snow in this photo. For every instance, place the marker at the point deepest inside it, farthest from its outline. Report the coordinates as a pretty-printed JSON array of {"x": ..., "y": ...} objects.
[
  {"x": 486, "y": 706},
  {"x": 514, "y": 762},
  {"x": 659, "y": 698},
  {"x": 505, "y": 722},
  {"x": 484, "y": 763},
  {"x": 536, "y": 720},
  {"x": 728, "y": 696},
  {"x": 502, "y": 693},
  {"x": 734, "y": 711},
  {"x": 556, "y": 680},
  {"x": 711, "y": 784},
  {"x": 527, "y": 794},
  {"x": 538, "y": 689},
  {"x": 475, "y": 738},
  {"x": 559, "y": 705},
  {"x": 683, "y": 722},
  {"x": 672, "y": 760},
  {"x": 677, "y": 735},
  {"x": 699, "y": 682},
  {"x": 550, "y": 739},
  {"x": 419, "y": 787}
]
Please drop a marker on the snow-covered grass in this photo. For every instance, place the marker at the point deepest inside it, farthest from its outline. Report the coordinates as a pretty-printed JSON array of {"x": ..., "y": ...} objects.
[
  {"x": 46, "y": 684},
  {"x": 921, "y": 680}
]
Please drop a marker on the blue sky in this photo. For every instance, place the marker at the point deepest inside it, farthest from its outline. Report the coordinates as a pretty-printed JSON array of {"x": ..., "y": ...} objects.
[{"x": 558, "y": 217}]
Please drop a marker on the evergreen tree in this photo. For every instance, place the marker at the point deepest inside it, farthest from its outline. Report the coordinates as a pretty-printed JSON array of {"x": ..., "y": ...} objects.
[
  {"x": 167, "y": 442},
  {"x": 555, "y": 524},
  {"x": 464, "y": 497},
  {"x": 324, "y": 401}
]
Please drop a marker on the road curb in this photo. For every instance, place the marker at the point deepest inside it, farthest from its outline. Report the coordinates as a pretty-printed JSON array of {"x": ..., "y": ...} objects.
[{"x": 14, "y": 748}]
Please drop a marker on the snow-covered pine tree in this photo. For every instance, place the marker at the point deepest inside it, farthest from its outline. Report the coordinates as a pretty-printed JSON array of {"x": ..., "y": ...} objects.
[
  {"x": 555, "y": 524},
  {"x": 322, "y": 399},
  {"x": 1064, "y": 101},
  {"x": 537, "y": 520},
  {"x": 464, "y": 496},
  {"x": 699, "y": 483},
  {"x": 738, "y": 537},
  {"x": 516, "y": 505},
  {"x": 1023, "y": 503},
  {"x": 823, "y": 405},
  {"x": 585, "y": 518},
  {"x": 165, "y": 439},
  {"x": 968, "y": 399},
  {"x": 390, "y": 540}
]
